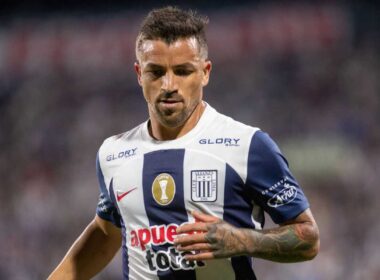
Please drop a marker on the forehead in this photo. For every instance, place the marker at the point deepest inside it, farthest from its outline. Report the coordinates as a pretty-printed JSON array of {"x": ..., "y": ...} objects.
[{"x": 178, "y": 52}]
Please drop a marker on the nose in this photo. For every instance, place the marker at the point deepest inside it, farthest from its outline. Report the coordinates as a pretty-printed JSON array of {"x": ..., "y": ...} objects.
[{"x": 169, "y": 83}]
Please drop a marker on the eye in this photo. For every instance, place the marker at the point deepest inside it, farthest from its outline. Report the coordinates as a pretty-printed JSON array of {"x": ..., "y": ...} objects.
[
  {"x": 183, "y": 72},
  {"x": 157, "y": 72}
]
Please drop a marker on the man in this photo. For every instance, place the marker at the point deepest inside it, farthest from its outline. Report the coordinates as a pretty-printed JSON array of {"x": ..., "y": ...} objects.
[{"x": 183, "y": 194}]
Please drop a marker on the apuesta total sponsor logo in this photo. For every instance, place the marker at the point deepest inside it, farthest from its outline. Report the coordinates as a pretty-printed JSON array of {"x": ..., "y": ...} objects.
[{"x": 161, "y": 260}]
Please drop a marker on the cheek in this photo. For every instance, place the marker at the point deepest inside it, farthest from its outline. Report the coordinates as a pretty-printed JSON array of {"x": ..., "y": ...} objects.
[
  {"x": 194, "y": 88},
  {"x": 150, "y": 90}
]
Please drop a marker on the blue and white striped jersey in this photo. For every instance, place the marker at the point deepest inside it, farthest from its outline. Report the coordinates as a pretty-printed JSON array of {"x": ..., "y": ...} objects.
[{"x": 221, "y": 167}]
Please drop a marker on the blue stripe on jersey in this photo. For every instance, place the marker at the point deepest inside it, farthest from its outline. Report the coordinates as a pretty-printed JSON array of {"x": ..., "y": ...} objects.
[
  {"x": 156, "y": 163},
  {"x": 237, "y": 205},
  {"x": 237, "y": 211},
  {"x": 268, "y": 177},
  {"x": 242, "y": 266},
  {"x": 124, "y": 237},
  {"x": 125, "y": 252},
  {"x": 112, "y": 196},
  {"x": 106, "y": 208}
]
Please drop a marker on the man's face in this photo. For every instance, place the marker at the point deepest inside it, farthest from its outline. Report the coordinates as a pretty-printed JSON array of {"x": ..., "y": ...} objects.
[{"x": 172, "y": 78}]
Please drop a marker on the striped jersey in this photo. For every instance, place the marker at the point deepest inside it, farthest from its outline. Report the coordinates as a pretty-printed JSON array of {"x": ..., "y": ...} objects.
[{"x": 221, "y": 167}]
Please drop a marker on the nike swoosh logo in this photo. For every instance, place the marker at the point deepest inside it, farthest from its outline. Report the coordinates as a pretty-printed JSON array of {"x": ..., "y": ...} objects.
[{"x": 120, "y": 196}]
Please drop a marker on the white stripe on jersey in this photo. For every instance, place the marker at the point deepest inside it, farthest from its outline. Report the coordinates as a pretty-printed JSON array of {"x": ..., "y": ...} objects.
[{"x": 123, "y": 182}]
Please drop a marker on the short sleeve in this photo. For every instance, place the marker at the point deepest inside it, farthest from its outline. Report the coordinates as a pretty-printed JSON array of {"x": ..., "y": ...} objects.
[
  {"x": 270, "y": 181},
  {"x": 106, "y": 208}
]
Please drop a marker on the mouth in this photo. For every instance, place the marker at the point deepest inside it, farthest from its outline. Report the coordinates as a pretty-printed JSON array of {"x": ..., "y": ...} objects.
[{"x": 169, "y": 102}]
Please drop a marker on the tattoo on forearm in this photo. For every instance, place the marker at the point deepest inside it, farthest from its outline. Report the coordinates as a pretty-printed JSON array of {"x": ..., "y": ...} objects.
[
  {"x": 288, "y": 243},
  {"x": 226, "y": 240}
]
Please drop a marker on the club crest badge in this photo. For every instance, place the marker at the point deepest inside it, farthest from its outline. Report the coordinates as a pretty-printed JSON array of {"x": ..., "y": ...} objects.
[
  {"x": 204, "y": 185},
  {"x": 163, "y": 189}
]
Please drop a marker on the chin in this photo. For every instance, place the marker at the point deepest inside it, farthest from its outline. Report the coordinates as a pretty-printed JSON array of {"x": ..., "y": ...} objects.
[{"x": 174, "y": 120}]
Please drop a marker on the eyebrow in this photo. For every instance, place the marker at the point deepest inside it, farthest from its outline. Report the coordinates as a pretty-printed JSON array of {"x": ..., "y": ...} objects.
[
  {"x": 153, "y": 65},
  {"x": 183, "y": 65}
]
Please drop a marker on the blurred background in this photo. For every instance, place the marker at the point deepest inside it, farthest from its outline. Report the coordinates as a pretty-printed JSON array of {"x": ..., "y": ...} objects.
[{"x": 308, "y": 73}]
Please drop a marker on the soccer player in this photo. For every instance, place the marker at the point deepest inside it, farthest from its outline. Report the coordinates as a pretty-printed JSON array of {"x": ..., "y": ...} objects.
[{"x": 184, "y": 193}]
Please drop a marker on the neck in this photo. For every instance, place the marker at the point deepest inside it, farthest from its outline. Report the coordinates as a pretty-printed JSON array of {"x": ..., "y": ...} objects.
[{"x": 163, "y": 133}]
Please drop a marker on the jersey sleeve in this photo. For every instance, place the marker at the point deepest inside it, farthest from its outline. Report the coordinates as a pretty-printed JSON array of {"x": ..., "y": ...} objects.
[
  {"x": 106, "y": 208},
  {"x": 270, "y": 181}
]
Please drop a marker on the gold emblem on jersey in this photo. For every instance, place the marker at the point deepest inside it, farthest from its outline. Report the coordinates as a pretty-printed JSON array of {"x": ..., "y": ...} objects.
[{"x": 163, "y": 189}]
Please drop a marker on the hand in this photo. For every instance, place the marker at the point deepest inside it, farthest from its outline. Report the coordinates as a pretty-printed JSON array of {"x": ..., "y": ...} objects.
[{"x": 210, "y": 237}]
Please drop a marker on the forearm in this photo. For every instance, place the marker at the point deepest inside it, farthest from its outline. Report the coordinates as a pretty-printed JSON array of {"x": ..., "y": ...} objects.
[
  {"x": 89, "y": 254},
  {"x": 298, "y": 240},
  {"x": 288, "y": 243}
]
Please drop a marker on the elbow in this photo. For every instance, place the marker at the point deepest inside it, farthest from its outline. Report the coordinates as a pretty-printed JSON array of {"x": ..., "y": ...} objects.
[
  {"x": 314, "y": 243},
  {"x": 312, "y": 252}
]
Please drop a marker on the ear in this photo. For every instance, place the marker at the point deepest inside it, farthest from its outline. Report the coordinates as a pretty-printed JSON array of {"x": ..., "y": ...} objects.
[
  {"x": 206, "y": 72},
  {"x": 138, "y": 72}
]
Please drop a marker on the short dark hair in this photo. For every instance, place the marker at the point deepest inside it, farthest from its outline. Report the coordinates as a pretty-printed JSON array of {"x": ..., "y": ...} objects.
[{"x": 170, "y": 24}]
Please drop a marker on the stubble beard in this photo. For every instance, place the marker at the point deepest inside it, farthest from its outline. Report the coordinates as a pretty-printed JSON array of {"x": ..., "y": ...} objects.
[{"x": 173, "y": 118}]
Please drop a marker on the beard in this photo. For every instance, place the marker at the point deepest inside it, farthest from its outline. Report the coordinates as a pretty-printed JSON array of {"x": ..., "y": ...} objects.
[{"x": 177, "y": 116}]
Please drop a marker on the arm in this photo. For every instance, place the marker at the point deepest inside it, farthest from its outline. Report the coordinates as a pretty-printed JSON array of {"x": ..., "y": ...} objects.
[
  {"x": 294, "y": 241},
  {"x": 91, "y": 252}
]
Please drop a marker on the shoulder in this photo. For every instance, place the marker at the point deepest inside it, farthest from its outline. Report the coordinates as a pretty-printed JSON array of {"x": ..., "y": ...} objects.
[
  {"x": 265, "y": 157},
  {"x": 229, "y": 124},
  {"x": 122, "y": 137},
  {"x": 262, "y": 141},
  {"x": 264, "y": 150},
  {"x": 117, "y": 142}
]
